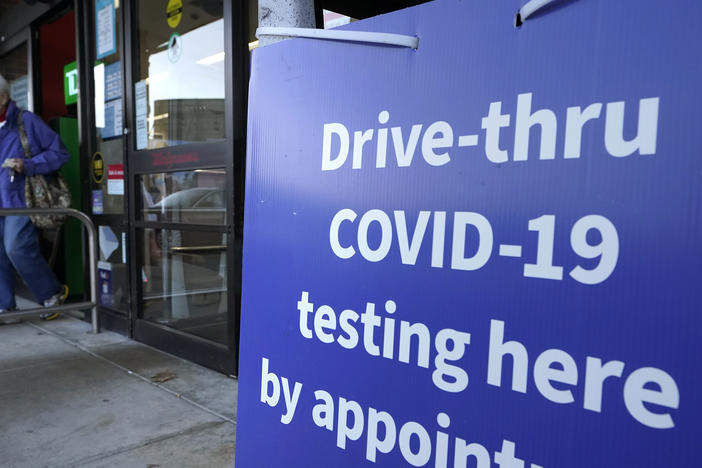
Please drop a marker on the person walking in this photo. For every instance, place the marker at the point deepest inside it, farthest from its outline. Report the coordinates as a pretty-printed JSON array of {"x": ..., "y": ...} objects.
[{"x": 19, "y": 248}]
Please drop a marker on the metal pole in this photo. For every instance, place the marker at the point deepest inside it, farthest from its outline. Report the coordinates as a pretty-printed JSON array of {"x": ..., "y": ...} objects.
[
  {"x": 291, "y": 13},
  {"x": 92, "y": 247}
]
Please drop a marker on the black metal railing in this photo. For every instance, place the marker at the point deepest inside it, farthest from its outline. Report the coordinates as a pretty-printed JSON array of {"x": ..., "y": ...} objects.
[{"x": 92, "y": 264}]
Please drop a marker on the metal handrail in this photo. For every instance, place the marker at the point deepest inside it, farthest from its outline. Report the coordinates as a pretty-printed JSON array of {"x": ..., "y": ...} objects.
[
  {"x": 198, "y": 249},
  {"x": 92, "y": 248}
]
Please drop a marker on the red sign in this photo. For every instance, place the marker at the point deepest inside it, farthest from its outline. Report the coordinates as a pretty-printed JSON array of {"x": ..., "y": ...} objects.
[
  {"x": 168, "y": 159},
  {"x": 115, "y": 171}
]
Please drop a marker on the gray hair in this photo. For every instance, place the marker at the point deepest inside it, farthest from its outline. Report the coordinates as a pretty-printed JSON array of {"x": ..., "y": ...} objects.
[{"x": 4, "y": 87}]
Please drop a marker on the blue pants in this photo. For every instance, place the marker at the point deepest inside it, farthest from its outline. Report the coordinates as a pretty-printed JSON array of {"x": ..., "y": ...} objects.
[{"x": 19, "y": 249}]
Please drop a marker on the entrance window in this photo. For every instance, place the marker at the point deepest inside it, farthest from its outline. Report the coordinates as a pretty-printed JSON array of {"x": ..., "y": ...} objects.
[
  {"x": 179, "y": 86},
  {"x": 13, "y": 67},
  {"x": 188, "y": 197},
  {"x": 181, "y": 157},
  {"x": 184, "y": 281}
]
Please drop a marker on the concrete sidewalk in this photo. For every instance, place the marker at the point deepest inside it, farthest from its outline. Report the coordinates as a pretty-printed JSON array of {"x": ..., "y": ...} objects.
[{"x": 69, "y": 398}]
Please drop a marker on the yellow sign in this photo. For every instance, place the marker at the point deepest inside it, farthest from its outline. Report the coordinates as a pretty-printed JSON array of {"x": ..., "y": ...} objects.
[
  {"x": 174, "y": 12},
  {"x": 98, "y": 168}
]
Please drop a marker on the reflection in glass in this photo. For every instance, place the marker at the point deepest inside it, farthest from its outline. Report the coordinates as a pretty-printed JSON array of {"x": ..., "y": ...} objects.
[
  {"x": 13, "y": 66},
  {"x": 185, "y": 281},
  {"x": 193, "y": 197},
  {"x": 179, "y": 88},
  {"x": 114, "y": 290}
]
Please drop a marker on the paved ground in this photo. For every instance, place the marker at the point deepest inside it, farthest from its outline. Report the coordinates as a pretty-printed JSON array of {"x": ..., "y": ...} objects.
[{"x": 69, "y": 398}]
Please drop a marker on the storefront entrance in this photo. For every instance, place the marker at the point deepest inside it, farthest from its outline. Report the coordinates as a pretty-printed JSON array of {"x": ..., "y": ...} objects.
[
  {"x": 166, "y": 162},
  {"x": 153, "y": 94},
  {"x": 158, "y": 94}
]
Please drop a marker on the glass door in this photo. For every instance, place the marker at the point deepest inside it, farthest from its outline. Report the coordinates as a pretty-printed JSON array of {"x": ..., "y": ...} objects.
[
  {"x": 102, "y": 124},
  {"x": 16, "y": 67},
  {"x": 181, "y": 155}
]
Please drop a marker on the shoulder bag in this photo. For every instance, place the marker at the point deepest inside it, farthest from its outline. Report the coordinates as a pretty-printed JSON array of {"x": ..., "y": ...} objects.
[{"x": 41, "y": 191}]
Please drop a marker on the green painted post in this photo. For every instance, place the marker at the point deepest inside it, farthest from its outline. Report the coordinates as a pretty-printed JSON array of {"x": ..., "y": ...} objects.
[{"x": 72, "y": 231}]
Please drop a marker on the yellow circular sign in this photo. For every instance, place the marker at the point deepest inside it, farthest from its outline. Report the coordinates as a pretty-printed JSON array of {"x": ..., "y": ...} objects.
[
  {"x": 174, "y": 12},
  {"x": 98, "y": 168}
]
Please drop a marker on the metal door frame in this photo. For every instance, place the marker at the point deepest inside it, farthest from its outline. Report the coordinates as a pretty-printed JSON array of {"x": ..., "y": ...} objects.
[
  {"x": 228, "y": 154},
  {"x": 110, "y": 318}
]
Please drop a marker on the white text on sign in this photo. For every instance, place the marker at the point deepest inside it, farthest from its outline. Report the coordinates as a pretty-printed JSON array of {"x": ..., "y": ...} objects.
[
  {"x": 437, "y": 139},
  {"x": 606, "y": 249},
  {"x": 648, "y": 393}
]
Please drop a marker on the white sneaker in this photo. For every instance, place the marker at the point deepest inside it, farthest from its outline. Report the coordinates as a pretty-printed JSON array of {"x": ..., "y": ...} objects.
[{"x": 55, "y": 300}]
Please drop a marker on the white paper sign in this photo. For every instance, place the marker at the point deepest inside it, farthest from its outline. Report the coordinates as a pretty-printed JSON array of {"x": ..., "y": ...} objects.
[
  {"x": 124, "y": 247},
  {"x": 115, "y": 179},
  {"x": 141, "y": 128},
  {"x": 99, "y": 77},
  {"x": 115, "y": 187},
  {"x": 108, "y": 241}
]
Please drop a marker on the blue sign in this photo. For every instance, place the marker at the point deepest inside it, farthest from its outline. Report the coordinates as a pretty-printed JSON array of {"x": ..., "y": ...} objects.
[
  {"x": 113, "y": 81},
  {"x": 105, "y": 284},
  {"x": 105, "y": 28},
  {"x": 113, "y": 120},
  {"x": 485, "y": 252},
  {"x": 97, "y": 202}
]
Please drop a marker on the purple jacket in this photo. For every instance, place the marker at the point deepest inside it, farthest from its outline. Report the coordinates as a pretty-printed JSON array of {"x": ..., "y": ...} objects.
[{"x": 48, "y": 154}]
